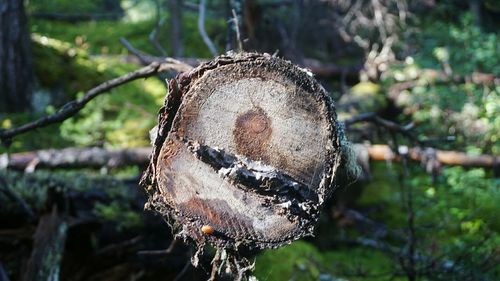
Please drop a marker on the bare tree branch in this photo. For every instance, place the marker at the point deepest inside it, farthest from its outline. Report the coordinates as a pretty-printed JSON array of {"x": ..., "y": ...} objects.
[
  {"x": 237, "y": 26},
  {"x": 175, "y": 242},
  {"x": 148, "y": 59},
  {"x": 201, "y": 28},
  {"x": 153, "y": 36},
  {"x": 73, "y": 107},
  {"x": 374, "y": 118}
]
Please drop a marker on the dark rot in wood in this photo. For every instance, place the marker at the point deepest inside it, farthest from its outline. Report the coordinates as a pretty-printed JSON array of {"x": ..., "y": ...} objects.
[
  {"x": 246, "y": 153},
  {"x": 251, "y": 134}
]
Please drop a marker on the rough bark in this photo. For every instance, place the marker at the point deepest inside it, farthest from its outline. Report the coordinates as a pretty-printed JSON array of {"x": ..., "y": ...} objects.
[
  {"x": 16, "y": 74},
  {"x": 247, "y": 147}
]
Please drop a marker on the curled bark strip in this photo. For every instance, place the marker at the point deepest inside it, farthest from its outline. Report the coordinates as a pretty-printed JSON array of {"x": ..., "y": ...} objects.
[{"x": 245, "y": 154}]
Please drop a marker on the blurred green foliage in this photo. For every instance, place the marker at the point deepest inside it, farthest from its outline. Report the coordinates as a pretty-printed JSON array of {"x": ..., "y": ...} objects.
[
  {"x": 455, "y": 213},
  {"x": 451, "y": 104},
  {"x": 463, "y": 45},
  {"x": 64, "y": 6},
  {"x": 303, "y": 261},
  {"x": 72, "y": 58},
  {"x": 457, "y": 231}
]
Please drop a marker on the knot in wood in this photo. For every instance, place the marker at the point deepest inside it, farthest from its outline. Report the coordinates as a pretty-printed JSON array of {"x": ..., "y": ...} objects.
[
  {"x": 253, "y": 123},
  {"x": 251, "y": 134}
]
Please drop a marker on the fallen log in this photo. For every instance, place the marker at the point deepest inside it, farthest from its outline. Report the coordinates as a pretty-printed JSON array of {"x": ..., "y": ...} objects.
[
  {"x": 381, "y": 152},
  {"x": 94, "y": 157}
]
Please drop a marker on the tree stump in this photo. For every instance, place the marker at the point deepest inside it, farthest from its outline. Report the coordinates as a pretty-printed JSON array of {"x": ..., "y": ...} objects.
[{"x": 245, "y": 154}]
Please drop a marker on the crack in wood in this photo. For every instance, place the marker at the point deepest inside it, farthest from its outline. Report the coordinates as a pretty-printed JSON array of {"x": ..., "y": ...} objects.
[{"x": 254, "y": 176}]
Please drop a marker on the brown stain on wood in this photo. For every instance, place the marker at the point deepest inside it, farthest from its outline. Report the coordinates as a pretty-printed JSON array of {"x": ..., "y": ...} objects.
[
  {"x": 170, "y": 149},
  {"x": 217, "y": 215},
  {"x": 251, "y": 133}
]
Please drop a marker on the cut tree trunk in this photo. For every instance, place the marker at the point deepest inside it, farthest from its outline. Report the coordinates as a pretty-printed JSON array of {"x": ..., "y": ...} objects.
[
  {"x": 246, "y": 153},
  {"x": 16, "y": 74}
]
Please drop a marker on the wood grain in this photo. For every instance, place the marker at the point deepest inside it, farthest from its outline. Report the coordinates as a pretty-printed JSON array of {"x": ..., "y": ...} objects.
[{"x": 247, "y": 146}]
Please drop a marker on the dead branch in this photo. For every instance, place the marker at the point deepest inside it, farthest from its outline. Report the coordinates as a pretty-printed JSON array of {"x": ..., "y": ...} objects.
[
  {"x": 331, "y": 70},
  {"x": 183, "y": 271},
  {"x": 153, "y": 36},
  {"x": 73, "y": 107},
  {"x": 201, "y": 28},
  {"x": 78, "y": 157},
  {"x": 238, "y": 33},
  {"x": 175, "y": 242},
  {"x": 381, "y": 152},
  {"x": 146, "y": 59},
  {"x": 392, "y": 126},
  {"x": 99, "y": 157},
  {"x": 3, "y": 274}
]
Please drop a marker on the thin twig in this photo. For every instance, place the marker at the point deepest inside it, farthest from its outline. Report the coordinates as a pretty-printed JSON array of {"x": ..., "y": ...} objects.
[
  {"x": 3, "y": 274},
  {"x": 237, "y": 28},
  {"x": 183, "y": 271},
  {"x": 146, "y": 59},
  {"x": 408, "y": 262},
  {"x": 71, "y": 108},
  {"x": 201, "y": 28},
  {"x": 167, "y": 251},
  {"x": 216, "y": 261},
  {"x": 153, "y": 36},
  {"x": 392, "y": 126}
]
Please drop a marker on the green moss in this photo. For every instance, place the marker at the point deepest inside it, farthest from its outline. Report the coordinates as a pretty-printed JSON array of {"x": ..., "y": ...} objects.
[
  {"x": 34, "y": 188},
  {"x": 65, "y": 6},
  {"x": 383, "y": 194},
  {"x": 119, "y": 214},
  {"x": 98, "y": 37},
  {"x": 103, "y": 37},
  {"x": 357, "y": 263},
  {"x": 60, "y": 66},
  {"x": 285, "y": 263},
  {"x": 303, "y": 261}
]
